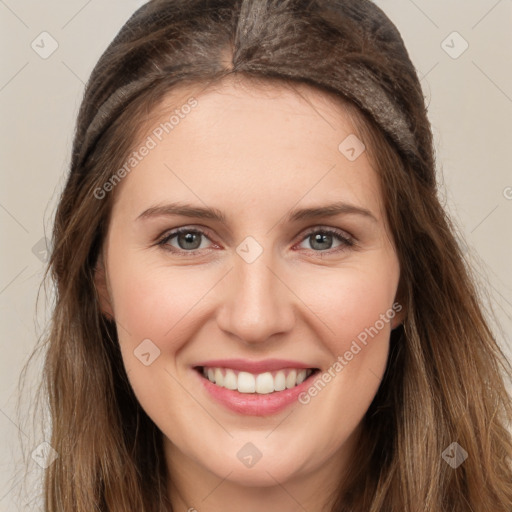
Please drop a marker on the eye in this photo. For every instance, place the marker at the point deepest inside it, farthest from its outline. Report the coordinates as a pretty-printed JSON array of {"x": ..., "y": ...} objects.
[
  {"x": 187, "y": 240},
  {"x": 321, "y": 239}
]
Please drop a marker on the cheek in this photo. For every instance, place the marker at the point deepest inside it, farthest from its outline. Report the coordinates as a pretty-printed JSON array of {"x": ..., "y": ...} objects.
[
  {"x": 351, "y": 301},
  {"x": 355, "y": 307},
  {"x": 159, "y": 302},
  {"x": 153, "y": 302}
]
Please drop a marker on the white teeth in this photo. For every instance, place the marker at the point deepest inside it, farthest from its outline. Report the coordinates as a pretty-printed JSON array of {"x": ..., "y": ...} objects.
[
  {"x": 279, "y": 381},
  {"x": 230, "y": 380},
  {"x": 301, "y": 377},
  {"x": 219, "y": 378},
  {"x": 246, "y": 382},
  {"x": 291, "y": 379},
  {"x": 263, "y": 383}
]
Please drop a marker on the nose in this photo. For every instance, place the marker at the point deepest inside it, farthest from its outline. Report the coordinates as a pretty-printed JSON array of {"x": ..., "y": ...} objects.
[{"x": 257, "y": 303}]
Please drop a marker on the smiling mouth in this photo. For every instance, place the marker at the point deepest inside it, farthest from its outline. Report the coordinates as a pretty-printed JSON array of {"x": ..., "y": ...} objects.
[{"x": 261, "y": 383}]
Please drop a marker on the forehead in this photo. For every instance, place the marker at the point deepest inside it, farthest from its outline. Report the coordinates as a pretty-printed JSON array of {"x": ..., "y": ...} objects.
[
  {"x": 251, "y": 139},
  {"x": 262, "y": 101}
]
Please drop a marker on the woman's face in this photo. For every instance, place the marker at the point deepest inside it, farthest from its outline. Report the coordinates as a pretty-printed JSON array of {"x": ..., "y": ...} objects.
[{"x": 297, "y": 271}]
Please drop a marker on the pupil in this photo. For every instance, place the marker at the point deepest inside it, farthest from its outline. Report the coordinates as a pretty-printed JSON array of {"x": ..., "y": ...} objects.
[
  {"x": 321, "y": 238},
  {"x": 189, "y": 239}
]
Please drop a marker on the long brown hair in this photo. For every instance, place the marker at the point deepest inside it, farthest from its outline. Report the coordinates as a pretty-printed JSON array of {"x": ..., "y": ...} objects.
[{"x": 445, "y": 379}]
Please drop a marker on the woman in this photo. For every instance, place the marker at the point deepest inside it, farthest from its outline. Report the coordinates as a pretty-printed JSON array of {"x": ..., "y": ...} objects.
[{"x": 260, "y": 301}]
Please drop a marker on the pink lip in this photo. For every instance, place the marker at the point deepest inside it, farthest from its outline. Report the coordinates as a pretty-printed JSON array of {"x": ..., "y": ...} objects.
[
  {"x": 245, "y": 365},
  {"x": 253, "y": 404}
]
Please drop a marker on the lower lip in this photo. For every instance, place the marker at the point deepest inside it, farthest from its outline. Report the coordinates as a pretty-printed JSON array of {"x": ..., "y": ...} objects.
[{"x": 253, "y": 404}]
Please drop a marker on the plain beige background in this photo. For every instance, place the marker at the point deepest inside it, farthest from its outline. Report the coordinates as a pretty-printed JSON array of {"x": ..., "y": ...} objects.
[{"x": 463, "y": 53}]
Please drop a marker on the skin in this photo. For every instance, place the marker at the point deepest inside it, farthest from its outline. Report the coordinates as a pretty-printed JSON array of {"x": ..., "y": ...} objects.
[{"x": 255, "y": 154}]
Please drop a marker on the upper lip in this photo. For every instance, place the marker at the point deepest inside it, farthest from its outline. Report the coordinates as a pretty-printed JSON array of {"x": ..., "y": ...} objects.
[{"x": 246, "y": 365}]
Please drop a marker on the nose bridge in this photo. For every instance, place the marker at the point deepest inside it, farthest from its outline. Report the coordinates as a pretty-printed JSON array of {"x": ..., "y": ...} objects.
[{"x": 257, "y": 304}]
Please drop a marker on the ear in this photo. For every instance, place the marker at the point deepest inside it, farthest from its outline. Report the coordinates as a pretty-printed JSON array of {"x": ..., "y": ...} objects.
[
  {"x": 399, "y": 317},
  {"x": 102, "y": 288},
  {"x": 399, "y": 307}
]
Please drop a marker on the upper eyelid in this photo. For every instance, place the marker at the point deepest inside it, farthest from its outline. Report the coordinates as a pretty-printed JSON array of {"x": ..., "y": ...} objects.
[
  {"x": 175, "y": 231},
  {"x": 321, "y": 227},
  {"x": 205, "y": 232}
]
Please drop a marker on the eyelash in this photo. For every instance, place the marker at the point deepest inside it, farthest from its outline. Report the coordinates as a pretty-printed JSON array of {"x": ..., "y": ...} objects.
[{"x": 347, "y": 241}]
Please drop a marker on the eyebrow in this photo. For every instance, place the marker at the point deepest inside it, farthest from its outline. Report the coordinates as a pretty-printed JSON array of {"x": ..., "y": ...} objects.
[{"x": 199, "y": 212}]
